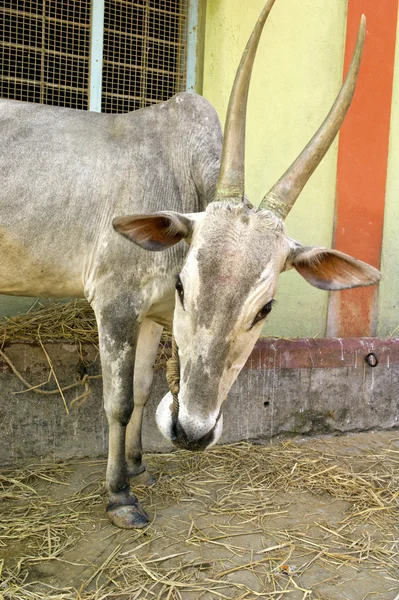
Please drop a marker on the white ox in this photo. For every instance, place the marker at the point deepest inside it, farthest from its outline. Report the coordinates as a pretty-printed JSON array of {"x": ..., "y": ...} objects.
[{"x": 67, "y": 176}]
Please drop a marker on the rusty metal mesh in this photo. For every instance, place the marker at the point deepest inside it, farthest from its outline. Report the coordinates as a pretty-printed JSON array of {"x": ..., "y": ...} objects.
[
  {"x": 44, "y": 51},
  {"x": 144, "y": 52}
]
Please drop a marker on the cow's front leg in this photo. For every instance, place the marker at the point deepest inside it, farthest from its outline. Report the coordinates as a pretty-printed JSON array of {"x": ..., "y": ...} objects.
[
  {"x": 146, "y": 353},
  {"x": 117, "y": 338}
]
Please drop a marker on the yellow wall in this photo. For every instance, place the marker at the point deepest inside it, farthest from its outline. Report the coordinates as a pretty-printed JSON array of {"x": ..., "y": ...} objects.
[{"x": 297, "y": 74}]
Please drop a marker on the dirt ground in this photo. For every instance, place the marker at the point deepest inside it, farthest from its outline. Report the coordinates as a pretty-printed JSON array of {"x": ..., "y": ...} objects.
[{"x": 312, "y": 518}]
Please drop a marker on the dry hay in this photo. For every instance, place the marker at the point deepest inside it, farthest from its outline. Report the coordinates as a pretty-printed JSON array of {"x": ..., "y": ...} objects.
[
  {"x": 225, "y": 521},
  {"x": 72, "y": 322}
]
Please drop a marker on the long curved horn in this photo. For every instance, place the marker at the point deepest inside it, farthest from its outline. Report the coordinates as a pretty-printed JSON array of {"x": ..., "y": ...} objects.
[
  {"x": 231, "y": 175},
  {"x": 281, "y": 198}
]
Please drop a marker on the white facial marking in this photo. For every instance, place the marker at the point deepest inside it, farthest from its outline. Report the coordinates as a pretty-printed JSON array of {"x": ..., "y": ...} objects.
[
  {"x": 230, "y": 274},
  {"x": 163, "y": 419},
  {"x": 196, "y": 424},
  {"x": 163, "y": 415},
  {"x": 217, "y": 432}
]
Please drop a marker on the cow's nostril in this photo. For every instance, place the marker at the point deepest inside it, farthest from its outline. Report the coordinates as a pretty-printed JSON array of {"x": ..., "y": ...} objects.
[
  {"x": 173, "y": 431},
  {"x": 180, "y": 438}
]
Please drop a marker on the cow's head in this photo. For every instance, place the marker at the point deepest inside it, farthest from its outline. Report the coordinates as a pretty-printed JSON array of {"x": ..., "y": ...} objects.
[{"x": 227, "y": 285}]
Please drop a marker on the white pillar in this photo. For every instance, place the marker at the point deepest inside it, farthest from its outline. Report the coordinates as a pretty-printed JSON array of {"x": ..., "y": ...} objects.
[{"x": 96, "y": 54}]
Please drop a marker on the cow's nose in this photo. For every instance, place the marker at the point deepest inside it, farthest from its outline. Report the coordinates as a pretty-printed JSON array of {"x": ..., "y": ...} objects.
[{"x": 182, "y": 439}]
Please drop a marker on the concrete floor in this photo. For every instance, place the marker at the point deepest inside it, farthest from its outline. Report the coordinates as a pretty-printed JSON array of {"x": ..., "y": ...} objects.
[{"x": 214, "y": 534}]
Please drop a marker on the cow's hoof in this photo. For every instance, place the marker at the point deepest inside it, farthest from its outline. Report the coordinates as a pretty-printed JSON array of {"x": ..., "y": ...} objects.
[
  {"x": 143, "y": 478},
  {"x": 128, "y": 516}
]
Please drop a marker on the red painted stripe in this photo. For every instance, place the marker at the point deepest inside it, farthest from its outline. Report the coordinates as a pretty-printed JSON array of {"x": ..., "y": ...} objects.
[
  {"x": 272, "y": 353},
  {"x": 362, "y": 162}
]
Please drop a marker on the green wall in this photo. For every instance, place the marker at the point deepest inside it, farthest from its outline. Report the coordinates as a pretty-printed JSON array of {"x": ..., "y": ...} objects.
[
  {"x": 11, "y": 305},
  {"x": 297, "y": 74},
  {"x": 388, "y": 313}
]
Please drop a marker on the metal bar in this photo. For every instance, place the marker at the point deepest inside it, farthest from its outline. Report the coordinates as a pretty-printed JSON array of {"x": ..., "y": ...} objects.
[
  {"x": 142, "y": 37},
  {"x": 181, "y": 58},
  {"x": 199, "y": 66},
  {"x": 192, "y": 46},
  {"x": 37, "y": 49},
  {"x": 96, "y": 54},
  {"x": 143, "y": 78},
  {"x": 43, "y": 85},
  {"x": 42, "y": 53},
  {"x": 22, "y": 13},
  {"x": 151, "y": 8},
  {"x": 39, "y": 16},
  {"x": 130, "y": 97},
  {"x": 140, "y": 68}
]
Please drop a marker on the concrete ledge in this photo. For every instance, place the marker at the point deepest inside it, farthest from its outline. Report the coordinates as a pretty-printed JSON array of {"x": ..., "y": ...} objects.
[{"x": 288, "y": 387}]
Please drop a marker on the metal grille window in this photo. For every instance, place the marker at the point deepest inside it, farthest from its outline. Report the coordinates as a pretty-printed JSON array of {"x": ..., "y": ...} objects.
[
  {"x": 51, "y": 52},
  {"x": 144, "y": 52},
  {"x": 44, "y": 51}
]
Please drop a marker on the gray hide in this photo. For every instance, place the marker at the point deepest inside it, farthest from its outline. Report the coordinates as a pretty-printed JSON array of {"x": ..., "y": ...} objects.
[{"x": 65, "y": 174}]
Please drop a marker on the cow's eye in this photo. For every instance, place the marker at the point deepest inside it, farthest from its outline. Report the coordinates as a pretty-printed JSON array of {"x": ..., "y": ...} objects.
[
  {"x": 264, "y": 311},
  {"x": 179, "y": 289}
]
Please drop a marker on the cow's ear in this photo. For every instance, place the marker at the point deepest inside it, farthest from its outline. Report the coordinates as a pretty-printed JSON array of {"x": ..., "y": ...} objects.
[
  {"x": 156, "y": 231},
  {"x": 329, "y": 269}
]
